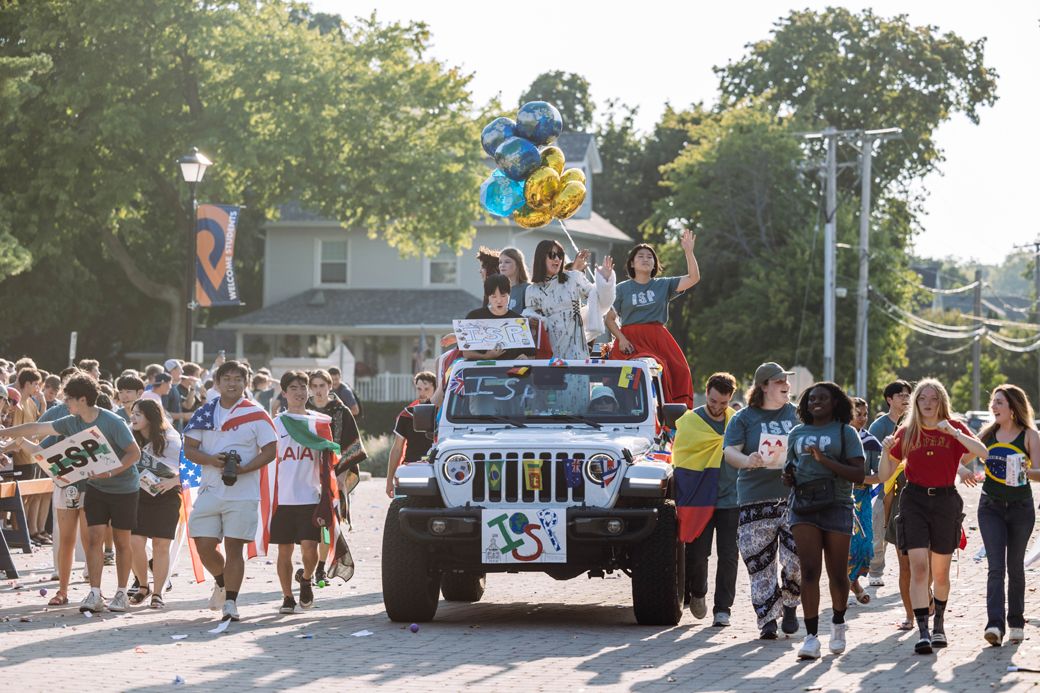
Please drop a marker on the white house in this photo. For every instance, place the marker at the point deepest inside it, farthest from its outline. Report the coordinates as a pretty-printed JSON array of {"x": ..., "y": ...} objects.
[{"x": 387, "y": 311}]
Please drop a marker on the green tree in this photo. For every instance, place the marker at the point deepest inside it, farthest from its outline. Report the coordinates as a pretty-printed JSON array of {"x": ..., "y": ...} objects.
[
  {"x": 569, "y": 92},
  {"x": 353, "y": 120},
  {"x": 989, "y": 377}
]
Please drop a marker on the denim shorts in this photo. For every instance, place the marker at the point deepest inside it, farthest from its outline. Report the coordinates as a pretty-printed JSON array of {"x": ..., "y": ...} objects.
[{"x": 836, "y": 518}]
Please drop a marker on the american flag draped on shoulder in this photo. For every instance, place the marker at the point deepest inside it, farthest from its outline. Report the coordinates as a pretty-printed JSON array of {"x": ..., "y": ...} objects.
[
  {"x": 245, "y": 411},
  {"x": 314, "y": 430}
]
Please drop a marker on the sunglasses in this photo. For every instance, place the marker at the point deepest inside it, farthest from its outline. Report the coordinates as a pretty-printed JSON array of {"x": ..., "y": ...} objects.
[{"x": 555, "y": 255}]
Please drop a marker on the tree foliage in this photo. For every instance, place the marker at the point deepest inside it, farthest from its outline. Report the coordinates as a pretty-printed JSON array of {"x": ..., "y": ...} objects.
[{"x": 569, "y": 92}]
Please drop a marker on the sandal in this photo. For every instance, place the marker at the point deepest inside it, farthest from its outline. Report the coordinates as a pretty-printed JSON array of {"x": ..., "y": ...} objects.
[
  {"x": 905, "y": 625},
  {"x": 139, "y": 596},
  {"x": 59, "y": 599},
  {"x": 861, "y": 595},
  {"x": 157, "y": 602}
]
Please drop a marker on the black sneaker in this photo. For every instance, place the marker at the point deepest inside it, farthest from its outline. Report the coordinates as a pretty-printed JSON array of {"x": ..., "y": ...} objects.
[
  {"x": 768, "y": 631},
  {"x": 319, "y": 574},
  {"x": 938, "y": 640},
  {"x": 288, "y": 606},
  {"x": 306, "y": 590},
  {"x": 790, "y": 623},
  {"x": 923, "y": 646}
]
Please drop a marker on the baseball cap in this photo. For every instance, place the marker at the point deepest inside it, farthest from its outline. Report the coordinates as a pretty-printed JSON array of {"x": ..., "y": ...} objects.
[
  {"x": 602, "y": 391},
  {"x": 769, "y": 370},
  {"x": 163, "y": 378},
  {"x": 172, "y": 363},
  {"x": 13, "y": 394}
]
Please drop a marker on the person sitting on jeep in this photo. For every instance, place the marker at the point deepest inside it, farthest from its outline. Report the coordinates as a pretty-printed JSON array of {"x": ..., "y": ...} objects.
[
  {"x": 496, "y": 305},
  {"x": 603, "y": 400}
]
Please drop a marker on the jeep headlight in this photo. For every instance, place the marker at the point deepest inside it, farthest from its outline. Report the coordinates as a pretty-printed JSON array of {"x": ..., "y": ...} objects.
[
  {"x": 458, "y": 469},
  {"x": 601, "y": 469}
]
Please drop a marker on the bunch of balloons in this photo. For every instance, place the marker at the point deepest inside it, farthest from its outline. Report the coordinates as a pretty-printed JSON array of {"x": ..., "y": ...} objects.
[{"x": 530, "y": 184}]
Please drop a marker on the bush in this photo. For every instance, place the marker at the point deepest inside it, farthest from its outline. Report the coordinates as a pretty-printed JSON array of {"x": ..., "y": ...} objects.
[{"x": 378, "y": 449}]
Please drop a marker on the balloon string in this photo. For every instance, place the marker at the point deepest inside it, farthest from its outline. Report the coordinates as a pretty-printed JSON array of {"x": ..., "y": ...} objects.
[{"x": 588, "y": 271}]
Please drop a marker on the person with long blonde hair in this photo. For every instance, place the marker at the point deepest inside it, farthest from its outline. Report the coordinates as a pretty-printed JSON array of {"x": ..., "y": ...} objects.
[
  {"x": 935, "y": 449},
  {"x": 1006, "y": 514}
]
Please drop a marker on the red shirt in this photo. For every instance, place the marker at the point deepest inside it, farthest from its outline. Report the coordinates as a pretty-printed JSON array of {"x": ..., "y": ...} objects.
[{"x": 934, "y": 461}]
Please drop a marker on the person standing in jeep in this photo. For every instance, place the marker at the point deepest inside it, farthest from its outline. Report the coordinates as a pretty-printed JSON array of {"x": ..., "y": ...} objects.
[{"x": 410, "y": 445}]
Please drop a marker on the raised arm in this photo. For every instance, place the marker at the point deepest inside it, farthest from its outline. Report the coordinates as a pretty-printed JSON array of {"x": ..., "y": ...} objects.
[
  {"x": 28, "y": 430},
  {"x": 693, "y": 270}
]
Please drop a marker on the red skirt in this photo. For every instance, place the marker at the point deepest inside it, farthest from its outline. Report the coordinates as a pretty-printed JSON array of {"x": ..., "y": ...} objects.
[{"x": 654, "y": 340}]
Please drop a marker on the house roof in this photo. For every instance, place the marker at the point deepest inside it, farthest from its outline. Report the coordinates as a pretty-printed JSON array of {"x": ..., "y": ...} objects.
[
  {"x": 595, "y": 227},
  {"x": 339, "y": 308},
  {"x": 578, "y": 146}
]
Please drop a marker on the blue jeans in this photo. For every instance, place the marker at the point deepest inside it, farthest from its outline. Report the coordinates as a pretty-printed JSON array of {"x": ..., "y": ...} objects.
[{"x": 1005, "y": 528}]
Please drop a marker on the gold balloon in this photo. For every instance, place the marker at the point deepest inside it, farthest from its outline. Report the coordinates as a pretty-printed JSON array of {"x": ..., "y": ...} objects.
[
  {"x": 568, "y": 200},
  {"x": 575, "y": 174},
  {"x": 541, "y": 187},
  {"x": 532, "y": 218},
  {"x": 553, "y": 158}
]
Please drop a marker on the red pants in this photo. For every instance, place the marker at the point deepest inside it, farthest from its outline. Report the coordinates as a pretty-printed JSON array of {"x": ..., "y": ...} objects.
[{"x": 655, "y": 341}]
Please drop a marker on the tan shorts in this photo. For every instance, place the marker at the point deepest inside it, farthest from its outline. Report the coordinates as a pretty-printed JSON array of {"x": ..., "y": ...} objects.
[{"x": 214, "y": 517}]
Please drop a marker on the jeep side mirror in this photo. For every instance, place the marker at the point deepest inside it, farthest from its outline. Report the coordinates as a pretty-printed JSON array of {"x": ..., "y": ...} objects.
[
  {"x": 672, "y": 412},
  {"x": 424, "y": 417}
]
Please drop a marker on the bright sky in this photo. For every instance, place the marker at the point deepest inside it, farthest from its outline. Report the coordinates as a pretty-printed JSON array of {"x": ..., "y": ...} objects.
[{"x": 652, "y": 52}]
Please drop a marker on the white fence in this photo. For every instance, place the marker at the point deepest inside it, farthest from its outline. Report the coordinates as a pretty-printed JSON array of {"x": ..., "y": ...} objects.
[{"x": 386, "y": 387}]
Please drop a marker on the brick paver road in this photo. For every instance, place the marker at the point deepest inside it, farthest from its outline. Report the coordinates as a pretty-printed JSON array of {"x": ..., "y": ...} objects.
[{"x": 530, "y": 633}]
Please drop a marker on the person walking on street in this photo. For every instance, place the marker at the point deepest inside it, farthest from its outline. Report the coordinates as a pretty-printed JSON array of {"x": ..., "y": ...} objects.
[{"x": 897, "y": 399}]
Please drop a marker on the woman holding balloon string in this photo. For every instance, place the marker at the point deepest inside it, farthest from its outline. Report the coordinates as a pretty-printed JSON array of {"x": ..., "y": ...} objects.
[{"x": 642, "y": 304}]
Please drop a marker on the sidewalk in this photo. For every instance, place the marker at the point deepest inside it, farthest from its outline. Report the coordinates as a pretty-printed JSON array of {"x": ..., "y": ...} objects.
[{"x": 530, "y": 633}]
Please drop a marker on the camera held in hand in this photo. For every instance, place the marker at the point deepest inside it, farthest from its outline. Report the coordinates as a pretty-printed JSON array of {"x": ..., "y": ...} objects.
[{"x": 231, "y": 463}]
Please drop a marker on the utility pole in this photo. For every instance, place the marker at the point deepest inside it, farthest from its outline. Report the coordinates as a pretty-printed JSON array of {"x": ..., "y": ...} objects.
[
  {"x": 1035, "y": 245},
  {"x": 829, "y": 249},
  {"x": 976, "y": 347}
]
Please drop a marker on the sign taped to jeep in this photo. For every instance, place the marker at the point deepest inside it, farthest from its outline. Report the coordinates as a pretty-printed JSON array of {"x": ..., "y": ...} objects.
[{"x": 531, "y": 535}]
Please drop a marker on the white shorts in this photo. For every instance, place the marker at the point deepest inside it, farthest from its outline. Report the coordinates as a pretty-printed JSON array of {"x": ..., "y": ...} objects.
[
  {"x": 70, "y": 497},
  {"x": 214, "y": 517}
]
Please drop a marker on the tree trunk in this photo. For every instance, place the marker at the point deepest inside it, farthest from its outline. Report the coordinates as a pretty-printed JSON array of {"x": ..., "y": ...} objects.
[{"x": 172, "y": 296}]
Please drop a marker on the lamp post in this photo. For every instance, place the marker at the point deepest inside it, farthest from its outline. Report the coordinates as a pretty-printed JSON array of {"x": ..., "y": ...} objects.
[{"x": 193, "y": 168}]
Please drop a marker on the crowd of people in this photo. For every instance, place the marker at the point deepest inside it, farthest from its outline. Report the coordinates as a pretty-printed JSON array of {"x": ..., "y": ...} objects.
[{"x": 802, "y": 486}]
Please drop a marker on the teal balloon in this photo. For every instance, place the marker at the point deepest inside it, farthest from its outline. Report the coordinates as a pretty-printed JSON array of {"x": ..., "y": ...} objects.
[
  {"x": 517, "y": 158},
  {"x": 539, "y": 122},
  {"x": 495, "y": 133},
  {"x": 500, "y": 195}
]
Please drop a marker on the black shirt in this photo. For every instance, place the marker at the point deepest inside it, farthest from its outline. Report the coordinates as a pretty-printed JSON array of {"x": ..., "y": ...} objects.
[
  {"x": 484, "y": 313},
  {"x": 416, "y": 444}
]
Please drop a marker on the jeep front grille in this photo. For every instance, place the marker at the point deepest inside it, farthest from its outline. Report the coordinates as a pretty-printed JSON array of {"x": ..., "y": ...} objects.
[{"x": 512, "y": 488}]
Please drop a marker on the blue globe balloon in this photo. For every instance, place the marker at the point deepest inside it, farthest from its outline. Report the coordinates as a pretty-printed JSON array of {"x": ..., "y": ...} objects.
[
  {"x": 495, "y": 133},
  {"x": 539, "y": 122},
  {"x": 517, "y": 158},
  {"x": 500, "y": 195}
]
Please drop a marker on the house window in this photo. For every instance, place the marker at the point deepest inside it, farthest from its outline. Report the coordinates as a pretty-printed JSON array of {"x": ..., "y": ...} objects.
[
  {"x": 333, "y": 269},
  {"x": 442, "y": 270}
]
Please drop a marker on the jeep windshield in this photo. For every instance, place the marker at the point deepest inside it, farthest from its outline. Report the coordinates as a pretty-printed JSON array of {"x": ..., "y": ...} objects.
[{"x": 591, "y": 394}]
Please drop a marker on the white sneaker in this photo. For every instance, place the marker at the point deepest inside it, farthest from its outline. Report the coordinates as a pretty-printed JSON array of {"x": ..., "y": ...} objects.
[
  {"x": 118, "y": 603},
  {"x": 1016, "y": 635},
  {"x": 837, "y": 644},
  {"x": 698, "y": 607},
  {"x": 810, "y": 648},
  {"x": 92, "y": 603},
  {"x": 721, "y": 619},
  {"x": 876, "y": 582},
  {"x": 217, "y": 599},
  {"x": 993, "y": 636},
  {"x": 230, "y": 611}
]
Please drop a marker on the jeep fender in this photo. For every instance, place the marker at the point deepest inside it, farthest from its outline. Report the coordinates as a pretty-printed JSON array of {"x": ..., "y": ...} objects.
[
  {"x": 416, "y": 479},
  {"x": 647, "y": 480}
]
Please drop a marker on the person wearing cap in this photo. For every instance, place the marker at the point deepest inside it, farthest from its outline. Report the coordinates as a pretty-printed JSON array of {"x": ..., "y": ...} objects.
[
  {"x": 756, "y": 444},
  {"x": 603, "y": 400},
  {"x": 181, "y": 390}
]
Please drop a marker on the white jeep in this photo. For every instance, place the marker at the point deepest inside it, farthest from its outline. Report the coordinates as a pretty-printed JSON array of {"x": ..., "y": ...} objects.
[{"x": 537, "y": 466}]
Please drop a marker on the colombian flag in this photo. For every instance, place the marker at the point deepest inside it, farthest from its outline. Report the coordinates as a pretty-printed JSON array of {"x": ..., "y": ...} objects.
[{"x": 696, "y": 456}]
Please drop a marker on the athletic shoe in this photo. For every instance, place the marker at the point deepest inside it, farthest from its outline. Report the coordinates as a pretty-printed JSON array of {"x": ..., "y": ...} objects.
[
  {"x": 768, "y": 631},
  {"x": 923, "y": 646},
  {"x": 790, "y": 622},
  {"x": 837, "y": 644},
  {"x": 288, "y": 606},
  {"x": 993, "y": 636},
  {"x": 1016, "y": 635},
  {"x": 306, "y": 590},
  {"x": 217, "y": 598},
  {"x": 92, "y": 603},
  {"x": 110, "y": 558},
  {"x": 810, "y": 648},
  {"x": 230, "y": 611},
  {"x": 698, "y": 607},
  {"x": 118, "y": 603},
  {"x": 319, "y": 573},
  {"x": 876, "y": 582},
  {"x": 721, "y": 619},
  {"x": 938, "y": 640}
]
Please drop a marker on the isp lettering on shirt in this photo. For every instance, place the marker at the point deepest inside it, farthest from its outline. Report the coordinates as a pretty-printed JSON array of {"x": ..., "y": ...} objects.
[
  {"x": 644, "y": 298},
  {"x": 802, "y": 445},
  {"x": 777, "y": 428}
]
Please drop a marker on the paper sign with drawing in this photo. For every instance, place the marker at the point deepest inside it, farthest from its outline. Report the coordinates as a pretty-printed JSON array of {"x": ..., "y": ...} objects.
[
  {"x": 78, "y": 457},
  {"x": 501, "y": 333},
  {"x": 773, "y": 449}
]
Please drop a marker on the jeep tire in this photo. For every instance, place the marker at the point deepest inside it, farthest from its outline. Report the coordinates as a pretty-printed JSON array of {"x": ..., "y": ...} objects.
[
  {"x": 411, "y": 584},
  {"x": 463, "y": 587},
  {"x": 659, "y": 572}
]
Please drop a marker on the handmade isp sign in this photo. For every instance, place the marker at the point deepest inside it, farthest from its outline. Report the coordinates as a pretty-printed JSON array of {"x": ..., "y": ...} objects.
[
  {"x": 500, "y": 333},
  {"x": 78, "y": 457},
  {"x": 773, "y": 449},
  {"x": 531, "y": 535}
]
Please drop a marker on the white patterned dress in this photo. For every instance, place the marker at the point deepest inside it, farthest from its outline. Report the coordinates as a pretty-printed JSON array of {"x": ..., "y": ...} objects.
[{"x": 559, "y": 307}]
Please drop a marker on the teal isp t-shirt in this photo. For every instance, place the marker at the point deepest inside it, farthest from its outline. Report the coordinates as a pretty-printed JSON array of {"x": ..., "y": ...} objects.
[
  {"x": 639, "y": 304},
  {"x": 745, "y": 432},
  {"x": 828, "y": 439},
  {"x": 118, "y": 436}
]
